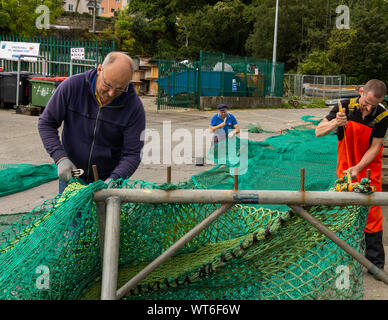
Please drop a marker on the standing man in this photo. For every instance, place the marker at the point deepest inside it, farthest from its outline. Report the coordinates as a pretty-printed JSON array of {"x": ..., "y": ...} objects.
[
  {"x": 223, "y": 124},
  {"x": 103, "y": 119},
  {"x": 361, "y": 126}
]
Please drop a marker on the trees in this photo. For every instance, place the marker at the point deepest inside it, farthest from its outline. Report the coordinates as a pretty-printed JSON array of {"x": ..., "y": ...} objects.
[
  {"x": 308, "y": 39},
  {"x": 220, "y": 28},
  {"x": 19, "y": 16}
]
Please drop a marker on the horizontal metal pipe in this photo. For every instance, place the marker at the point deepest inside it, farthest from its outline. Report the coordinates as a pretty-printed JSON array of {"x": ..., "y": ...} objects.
[
  {"x": 383, "y": 276},
  {"x": 171, "y": 250},
  {"x": 246, "y": 196}
]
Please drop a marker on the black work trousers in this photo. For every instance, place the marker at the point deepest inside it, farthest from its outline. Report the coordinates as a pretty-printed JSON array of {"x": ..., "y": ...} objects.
[{"x": 374, "y": 250}]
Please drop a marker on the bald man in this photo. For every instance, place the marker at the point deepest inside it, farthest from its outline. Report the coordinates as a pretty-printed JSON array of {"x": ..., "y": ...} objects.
[{"x": 103, "y": 119}]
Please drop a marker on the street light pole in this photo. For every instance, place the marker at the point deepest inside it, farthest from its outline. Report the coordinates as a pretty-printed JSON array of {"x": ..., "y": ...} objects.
[
  {"x": 94, "y": 15},
  {"x": 274, "y": 49}
]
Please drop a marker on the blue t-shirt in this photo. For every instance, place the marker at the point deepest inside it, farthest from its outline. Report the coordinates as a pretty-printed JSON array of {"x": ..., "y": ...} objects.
[{"x": 230, "y": 122}]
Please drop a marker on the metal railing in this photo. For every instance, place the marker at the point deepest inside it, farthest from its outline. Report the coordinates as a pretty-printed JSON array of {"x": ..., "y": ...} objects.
[
  {"x": 297, "y": 85},
  {"x": 109, "y": 209},
  {"x": 18, "y": 72},
  {"x": 45, "y": 67}
]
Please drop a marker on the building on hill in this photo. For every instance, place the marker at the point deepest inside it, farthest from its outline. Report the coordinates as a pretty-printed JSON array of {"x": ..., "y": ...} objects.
[{"x": 82, "y": 6}]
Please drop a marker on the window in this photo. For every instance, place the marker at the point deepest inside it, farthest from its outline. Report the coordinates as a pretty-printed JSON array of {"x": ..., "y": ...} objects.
[
  {"x": 71, "y": 7},
  {"x": 102, "y": 9},
  {"x": 112, "y": 10}
]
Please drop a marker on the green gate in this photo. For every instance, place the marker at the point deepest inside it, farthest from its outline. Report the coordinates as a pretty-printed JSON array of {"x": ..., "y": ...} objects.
[
  {"x": 182, "y": 84},
  {"x": 177, "y": 85}
]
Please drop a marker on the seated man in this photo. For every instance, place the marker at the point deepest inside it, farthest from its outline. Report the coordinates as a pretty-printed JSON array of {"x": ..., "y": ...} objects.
[{"x": 222, "y": 124}]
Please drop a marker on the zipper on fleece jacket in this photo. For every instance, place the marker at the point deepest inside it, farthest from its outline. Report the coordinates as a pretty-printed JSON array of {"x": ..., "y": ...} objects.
[{"x": 94, "y": 138}]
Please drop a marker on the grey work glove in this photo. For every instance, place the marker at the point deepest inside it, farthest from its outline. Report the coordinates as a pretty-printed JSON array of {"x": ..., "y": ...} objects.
[{"x": 65, "y": 166}]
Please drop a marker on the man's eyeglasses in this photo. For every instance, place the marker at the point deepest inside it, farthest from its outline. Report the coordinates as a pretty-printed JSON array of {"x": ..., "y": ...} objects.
[{"x": 110, "y": 87}]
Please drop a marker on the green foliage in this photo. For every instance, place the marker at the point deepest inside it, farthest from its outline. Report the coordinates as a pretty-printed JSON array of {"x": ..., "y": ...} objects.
[
  {"x": 308, "y": 40},
  {"x": 19, "y": 16},
  {"x": 318, "y": 62},
  {"x": 215, "y": 28}
]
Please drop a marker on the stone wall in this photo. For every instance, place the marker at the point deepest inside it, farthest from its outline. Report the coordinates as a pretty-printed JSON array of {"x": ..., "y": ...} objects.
[{"x": 84, "y": 22}]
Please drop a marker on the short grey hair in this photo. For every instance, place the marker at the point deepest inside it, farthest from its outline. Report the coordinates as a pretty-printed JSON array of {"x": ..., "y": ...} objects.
[
  {"x": 378, "y": 88},
  {"x": 111, "y": 57}
]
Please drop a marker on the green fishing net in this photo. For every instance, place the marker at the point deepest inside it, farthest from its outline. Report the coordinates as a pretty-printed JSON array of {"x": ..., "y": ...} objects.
[
  {"x": 19, "y": 177},
  {"x": 250, "y": 252}
]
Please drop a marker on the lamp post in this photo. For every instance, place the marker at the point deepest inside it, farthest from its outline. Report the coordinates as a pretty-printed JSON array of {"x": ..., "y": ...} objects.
[{"x": 274, "y": 49}]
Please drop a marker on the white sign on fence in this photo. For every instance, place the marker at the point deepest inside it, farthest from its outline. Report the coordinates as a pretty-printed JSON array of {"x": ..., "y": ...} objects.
[
  {"x": 77, "y": 53},
  {"x": 10, "y": 50}
]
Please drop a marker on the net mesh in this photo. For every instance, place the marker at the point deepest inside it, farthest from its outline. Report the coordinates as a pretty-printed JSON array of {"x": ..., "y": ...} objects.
[{"x": 250, "y": 252}]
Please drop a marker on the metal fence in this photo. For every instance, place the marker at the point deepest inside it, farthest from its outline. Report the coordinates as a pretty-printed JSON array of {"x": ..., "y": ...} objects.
[
  {"x": 181, "y": 84},
  {"x": 239, "y": 76},
  {"x": 57, "y": 55},
  {"x": 309, "y": 87}
]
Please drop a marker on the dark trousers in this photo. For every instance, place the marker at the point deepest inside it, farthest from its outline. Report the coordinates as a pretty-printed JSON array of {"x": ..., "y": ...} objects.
[{"x": 374, "y": 250}]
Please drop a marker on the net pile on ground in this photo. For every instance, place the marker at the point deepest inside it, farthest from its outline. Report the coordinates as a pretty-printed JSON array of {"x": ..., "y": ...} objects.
[
  {"x": 19, "y": 177},
  {"x": 250, "y": 252},
  {"x": 274, "y": 164}
]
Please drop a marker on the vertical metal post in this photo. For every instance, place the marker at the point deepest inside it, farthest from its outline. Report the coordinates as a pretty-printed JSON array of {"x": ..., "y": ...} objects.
[
  {"x": 222, "y": 74},
  {"x": 246, "y": 76},
  {"x": 302, "y": 179},
  {"x": 71, "y": 68},
  {"x": 159, "y": 86},
  {"x": 95, "y": 172},
  {"x": 273, "y": 83},
  {"x": 101, "y": 219},
  {"x": 17, "y": 83},
  {"x": 235, "y": 178},
  {"x": 169, "y": 174},
  {"x": 200, "y": 78},
  {"x": 94, "y": 16},
  {"x": 324, "y": 86},
  {"x": 111, "y": 249}
]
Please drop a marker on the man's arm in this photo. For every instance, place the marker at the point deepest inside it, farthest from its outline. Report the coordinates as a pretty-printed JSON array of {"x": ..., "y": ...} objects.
[
  {"x": 235, "y": 131},
  {"x": 51, "y": 119},
  {"x": 367, "y": 158},
  {"x": 326, "y": 126},
  {"x": 221, "y": 125}
]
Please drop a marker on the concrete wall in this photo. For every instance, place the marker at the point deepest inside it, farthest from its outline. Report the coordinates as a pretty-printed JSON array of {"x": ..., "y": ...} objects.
[{"x": 240, "y": 102}]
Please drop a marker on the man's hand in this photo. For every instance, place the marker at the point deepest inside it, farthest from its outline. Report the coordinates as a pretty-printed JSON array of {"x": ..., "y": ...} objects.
[
  {"x": 353, "y": 171},
  {"x": 231, "y": 134},
  {"x": 223, "y": 124},
  {"x": 65, "y": 166},
  {"x": 341, "y": 119}
]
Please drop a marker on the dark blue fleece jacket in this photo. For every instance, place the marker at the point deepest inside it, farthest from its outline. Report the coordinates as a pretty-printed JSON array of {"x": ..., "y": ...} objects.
[{"x": 108, "y": 137}]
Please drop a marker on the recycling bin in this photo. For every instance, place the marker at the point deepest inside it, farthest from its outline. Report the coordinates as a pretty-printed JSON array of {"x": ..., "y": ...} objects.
[
  {"x": 8, "y": 88},
  {"x": 42, "y": 88}
]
